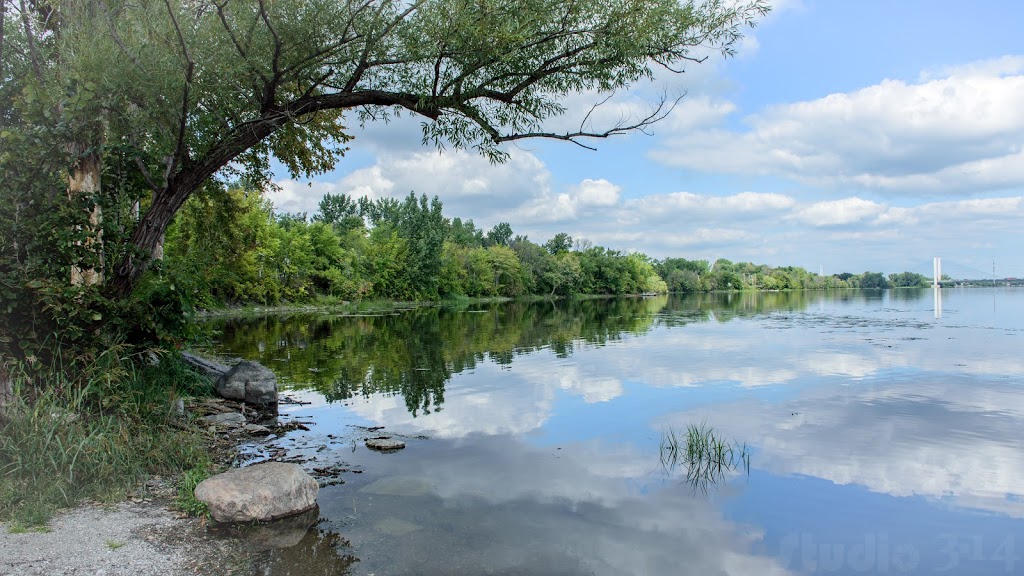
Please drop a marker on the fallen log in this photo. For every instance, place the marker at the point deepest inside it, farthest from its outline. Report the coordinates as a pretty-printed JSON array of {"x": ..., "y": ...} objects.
[{"x": 208, "y": 368}]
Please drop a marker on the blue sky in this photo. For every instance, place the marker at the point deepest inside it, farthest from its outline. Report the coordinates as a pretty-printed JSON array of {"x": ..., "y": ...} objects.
[{"x": 843, "y": 136}]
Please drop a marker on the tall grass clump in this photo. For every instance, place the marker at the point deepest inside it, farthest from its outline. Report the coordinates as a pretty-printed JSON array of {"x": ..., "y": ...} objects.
[
  {"x": 93, "y": 434},
  {"x": 705, "y": 456}
]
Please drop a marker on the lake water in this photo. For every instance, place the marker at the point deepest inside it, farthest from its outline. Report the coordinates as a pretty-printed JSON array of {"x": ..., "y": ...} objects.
[{"x": 883, "y": 436}]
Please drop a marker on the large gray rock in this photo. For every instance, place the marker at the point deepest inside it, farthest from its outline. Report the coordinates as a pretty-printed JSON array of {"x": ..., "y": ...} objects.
[
  {"x": 261, "y": 492},
  {"x": 248, "y": 381},
  {"x": 278, "y": 534}
]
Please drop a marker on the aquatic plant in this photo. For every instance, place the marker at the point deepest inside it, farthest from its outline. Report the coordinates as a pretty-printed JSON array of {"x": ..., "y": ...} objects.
[{"x": 706, "y": 457}]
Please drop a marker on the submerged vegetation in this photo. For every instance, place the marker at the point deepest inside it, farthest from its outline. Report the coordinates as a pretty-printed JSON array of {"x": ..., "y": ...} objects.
[{"x": 705, "y": 457}]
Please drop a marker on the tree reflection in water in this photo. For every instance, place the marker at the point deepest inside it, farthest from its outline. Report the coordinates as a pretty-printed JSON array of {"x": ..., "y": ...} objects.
[{"x": 414, "y": 353}]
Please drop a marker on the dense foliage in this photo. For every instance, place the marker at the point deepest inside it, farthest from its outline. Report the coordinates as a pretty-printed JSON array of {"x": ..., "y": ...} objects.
[
  {"x": 113, "y": 115},
  {"x": 698, "y": 275},
  {"x": 230, "y": 248}
]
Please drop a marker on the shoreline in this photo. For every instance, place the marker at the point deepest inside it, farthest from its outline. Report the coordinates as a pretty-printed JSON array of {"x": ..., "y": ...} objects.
[
  {"x": 137, "y": 536},
  {"x": 146, "y": 532},
  {"x": 378, "y": 306}
]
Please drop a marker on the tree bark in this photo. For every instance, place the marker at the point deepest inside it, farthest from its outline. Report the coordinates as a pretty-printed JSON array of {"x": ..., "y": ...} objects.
[{"x": 85, "y": 179}]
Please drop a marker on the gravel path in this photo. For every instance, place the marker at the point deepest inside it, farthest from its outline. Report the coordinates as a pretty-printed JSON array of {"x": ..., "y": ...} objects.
[{"x": 128, "y": 539}]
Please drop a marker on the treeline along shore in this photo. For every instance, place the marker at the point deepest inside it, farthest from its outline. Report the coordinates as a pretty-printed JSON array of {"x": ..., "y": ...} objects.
[{"x": 231, "y": 248}]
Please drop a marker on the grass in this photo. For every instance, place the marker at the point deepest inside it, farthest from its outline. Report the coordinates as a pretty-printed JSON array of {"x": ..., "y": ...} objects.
[
  {"x": 186, "y": 500},
  {"x": 704, "y": 455},
  {"x": 19, "y": 529},
  {"x": 114, "y": 544},
  {"x": 96, "y": 436}
]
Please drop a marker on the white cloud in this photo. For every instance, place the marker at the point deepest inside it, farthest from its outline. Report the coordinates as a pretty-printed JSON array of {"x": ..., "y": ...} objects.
[
  {"x": 839, "y": 212},
  {"x": 293, "y": 196},
  {"x": 545, "y": 206},
  {"x": 469, "y": 185},
  {"x": 1002, "y": 66},
  {"x": 959, "y": 134},
  {"x": 697, "y": 112},
  {"x": 999, "y": 212},
  {"x": 687, "y": 204},
  {"x": 596, "y": 193},
  {"x": 854, "y": 232}
]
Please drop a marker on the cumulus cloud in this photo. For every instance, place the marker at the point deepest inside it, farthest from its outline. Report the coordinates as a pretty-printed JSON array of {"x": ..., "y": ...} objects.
[
  {"x": 698, "y": 112},
  {"x": 546, "y": 206},
  {"x": 839, "y": 212},
  {"x": 854, "y": 232},
  {"x": 737, "y": 206},
  {"x": 467, "y": 183},
  {"x": 596, "y": 193},
  {"x": 957, "y": 134},
  {"x": 1002, "y": 66}
]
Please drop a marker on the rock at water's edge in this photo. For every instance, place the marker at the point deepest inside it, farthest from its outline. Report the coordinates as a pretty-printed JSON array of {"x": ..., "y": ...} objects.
[
  {"x": 226, "y": 419},
  {"x": 261, "y": 492},
  {"x": 278, "y": 534},
  {"x": 384, "y": 444},
  {"x": 248, "y": 381}
]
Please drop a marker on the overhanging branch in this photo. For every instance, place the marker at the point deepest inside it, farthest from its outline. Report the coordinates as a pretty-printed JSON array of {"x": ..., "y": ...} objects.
[{"x": 658, "y": 113}]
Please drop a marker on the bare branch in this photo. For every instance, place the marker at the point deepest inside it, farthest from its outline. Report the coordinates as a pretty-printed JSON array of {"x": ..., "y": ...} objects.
[
  {"x": 270, "y": 91},
  {"x": 117, "y": 37},
  {"x": 179, "y": 148},
  {"x": 371, "y": 41},
  {"x": 145, "y": 174},
  {"x": 663, "y": 109},
  {"x": 227, "y": 28},
  {"x": 31, "y": 38},
  {"x": 586, "y": 119}
]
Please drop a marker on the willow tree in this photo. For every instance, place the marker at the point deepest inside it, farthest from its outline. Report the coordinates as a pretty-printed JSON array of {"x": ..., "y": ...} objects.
[{"x": 162, "y": 97}]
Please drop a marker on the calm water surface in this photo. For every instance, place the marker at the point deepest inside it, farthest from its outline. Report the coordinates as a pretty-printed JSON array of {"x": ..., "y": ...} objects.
[{"x": 882, "y": 438}]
